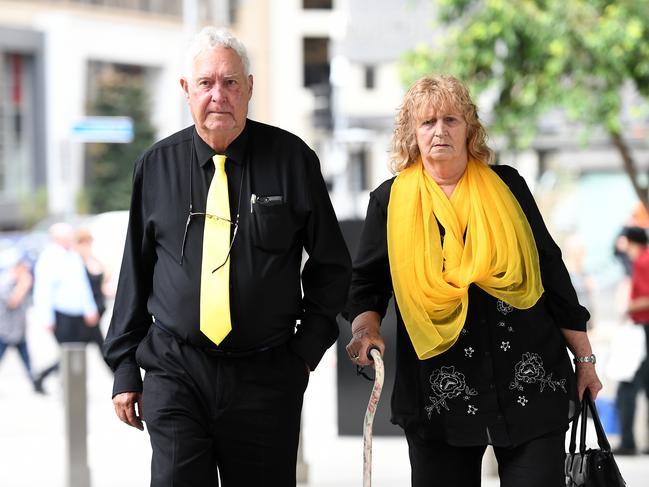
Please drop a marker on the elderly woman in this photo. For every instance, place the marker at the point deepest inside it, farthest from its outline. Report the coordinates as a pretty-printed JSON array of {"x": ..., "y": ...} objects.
[{"x": 485, "y": 306}]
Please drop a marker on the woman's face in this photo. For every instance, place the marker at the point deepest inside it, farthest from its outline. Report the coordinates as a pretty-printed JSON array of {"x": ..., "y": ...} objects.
[{"x": 442, "y": 136}]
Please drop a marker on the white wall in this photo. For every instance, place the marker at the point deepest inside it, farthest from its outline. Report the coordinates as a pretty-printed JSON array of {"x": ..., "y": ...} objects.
[
  {"x": 291, "y": 103},
  {"x": 384, "y": 99}
]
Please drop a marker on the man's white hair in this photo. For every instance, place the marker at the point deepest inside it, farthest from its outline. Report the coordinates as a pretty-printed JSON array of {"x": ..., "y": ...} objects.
[{"x": 210, "y": 37}]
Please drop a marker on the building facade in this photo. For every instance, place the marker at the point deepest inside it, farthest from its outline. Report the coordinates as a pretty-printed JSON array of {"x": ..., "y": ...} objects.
[
  {"x": 51, "y": 53},
  {"x": 326, "y": 70}
]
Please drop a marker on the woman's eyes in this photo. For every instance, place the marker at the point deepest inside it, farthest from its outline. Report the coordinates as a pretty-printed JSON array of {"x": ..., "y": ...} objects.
[{"x": 447, "y": 120}]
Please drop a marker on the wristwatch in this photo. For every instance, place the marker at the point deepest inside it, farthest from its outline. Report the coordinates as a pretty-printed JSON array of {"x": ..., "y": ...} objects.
[{"x": 589, "y": 359}]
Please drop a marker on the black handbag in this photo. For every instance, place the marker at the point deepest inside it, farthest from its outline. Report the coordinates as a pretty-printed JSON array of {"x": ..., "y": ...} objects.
[{"x": 592, "y": 467}]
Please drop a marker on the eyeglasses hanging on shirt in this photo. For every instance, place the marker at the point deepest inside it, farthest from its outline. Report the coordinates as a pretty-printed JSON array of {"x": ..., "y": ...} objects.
[{"x": 191, "y": 214}]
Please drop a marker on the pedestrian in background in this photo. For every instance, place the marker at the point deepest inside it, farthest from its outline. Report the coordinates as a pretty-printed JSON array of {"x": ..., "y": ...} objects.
[
  {"x": 574, "y": 258},
  {"x": 15, "y": 287},
  {"x": 63, "y": 300},
  {"x": 638, "y": 310},
  {"x": 96, "y": 277},
  {"x": 485, "y": 306},
  {"x": 212, "y": 300}
]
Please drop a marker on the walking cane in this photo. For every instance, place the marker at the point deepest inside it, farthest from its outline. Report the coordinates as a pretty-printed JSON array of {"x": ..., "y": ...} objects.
[{"x": 375, "y": 355}]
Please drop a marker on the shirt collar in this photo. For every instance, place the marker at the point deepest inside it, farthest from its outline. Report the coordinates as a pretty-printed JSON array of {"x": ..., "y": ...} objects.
[{"x": 235, "y": 152}]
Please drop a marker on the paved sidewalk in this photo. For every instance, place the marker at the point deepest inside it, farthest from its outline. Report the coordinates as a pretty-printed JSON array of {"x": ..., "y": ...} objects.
[{"x": 31, "y": 440}]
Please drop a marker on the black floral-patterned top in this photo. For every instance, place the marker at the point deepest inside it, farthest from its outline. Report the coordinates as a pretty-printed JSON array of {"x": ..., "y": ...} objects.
[{"x": 508, "y": 378}]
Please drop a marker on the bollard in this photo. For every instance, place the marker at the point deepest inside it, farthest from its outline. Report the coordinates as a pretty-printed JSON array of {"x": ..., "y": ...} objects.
[
  {"x": 302, "y": 470},
  {"x": 73, "y": 368}
]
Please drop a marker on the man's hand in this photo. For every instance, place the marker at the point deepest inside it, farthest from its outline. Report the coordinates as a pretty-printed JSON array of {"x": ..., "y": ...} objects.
[{"x": 125, "y": 404}]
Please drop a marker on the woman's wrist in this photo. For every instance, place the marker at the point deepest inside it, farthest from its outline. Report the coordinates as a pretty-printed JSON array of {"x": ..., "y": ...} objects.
[{"x": 589, "y": 359}]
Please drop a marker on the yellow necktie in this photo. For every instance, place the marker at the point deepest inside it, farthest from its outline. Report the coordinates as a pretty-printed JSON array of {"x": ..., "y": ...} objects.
[{"x": 215, "y": 286}]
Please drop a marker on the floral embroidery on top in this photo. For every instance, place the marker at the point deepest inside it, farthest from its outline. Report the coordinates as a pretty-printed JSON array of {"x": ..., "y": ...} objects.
[
  {"x": 468, "y": 352},
  {"x": 503, "y": 307},
  {"x": 522, "y": 400},
  {"x": 505, "y": 346},
  {"x": 530, "y": 370},
  {"x": 447, "y": 383},
  {"x": 472, "y": 409}
]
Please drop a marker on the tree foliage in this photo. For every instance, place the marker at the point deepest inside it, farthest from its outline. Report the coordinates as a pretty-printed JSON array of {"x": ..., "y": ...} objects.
[
  {"x": 532, "y": 56},
  {"x": 109, "y": 167}
]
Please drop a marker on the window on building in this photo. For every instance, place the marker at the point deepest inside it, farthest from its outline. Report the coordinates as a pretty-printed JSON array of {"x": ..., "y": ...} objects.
[
  {"x": 319, "y": 4},
  {"x": 233, "y": 9},
  {"x": 116, "y": 90},
  {"x": 316, "y": 61},
  {"x": 16, "y": 123},
  {"x": 370, "y": 77},
  {"x": 359, "y": 176}
]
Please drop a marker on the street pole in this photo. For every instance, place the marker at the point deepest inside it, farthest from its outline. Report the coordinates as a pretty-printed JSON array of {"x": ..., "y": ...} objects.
[
  {"x": 73, "y": 365},
  {"x": 302, "y": 473}
]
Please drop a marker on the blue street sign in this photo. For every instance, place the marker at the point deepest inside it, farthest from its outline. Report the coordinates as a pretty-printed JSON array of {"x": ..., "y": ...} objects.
[{"x": 103, "y": 129}]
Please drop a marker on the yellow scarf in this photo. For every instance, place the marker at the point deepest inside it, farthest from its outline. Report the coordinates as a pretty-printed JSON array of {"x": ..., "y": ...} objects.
[{"x": 431, "y": 279}]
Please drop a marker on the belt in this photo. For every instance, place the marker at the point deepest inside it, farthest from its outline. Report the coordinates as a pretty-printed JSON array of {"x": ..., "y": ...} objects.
[{"x": 220, "y": 352}]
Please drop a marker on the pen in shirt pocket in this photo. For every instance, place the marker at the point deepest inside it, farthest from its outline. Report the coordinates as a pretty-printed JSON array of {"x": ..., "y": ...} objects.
[{"x": 265, "y": 201}]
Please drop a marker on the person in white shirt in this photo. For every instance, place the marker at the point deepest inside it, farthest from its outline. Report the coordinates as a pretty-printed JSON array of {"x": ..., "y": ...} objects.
[{"x": 63, "y": 298}]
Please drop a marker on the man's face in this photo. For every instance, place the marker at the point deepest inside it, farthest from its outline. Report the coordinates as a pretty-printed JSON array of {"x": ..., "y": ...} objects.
[{"x": 218, "y": 93}]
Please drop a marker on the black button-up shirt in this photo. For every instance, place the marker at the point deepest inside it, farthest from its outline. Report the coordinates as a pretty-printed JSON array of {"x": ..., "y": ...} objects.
[
  {"x": 508, "y": 378},
  {"x": 278, "y": 194}
]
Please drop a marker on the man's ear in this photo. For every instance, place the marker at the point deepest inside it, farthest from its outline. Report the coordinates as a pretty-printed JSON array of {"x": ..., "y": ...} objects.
[
  {"x": 184, "y": 84},
  {"x": 250, "y": 83}
]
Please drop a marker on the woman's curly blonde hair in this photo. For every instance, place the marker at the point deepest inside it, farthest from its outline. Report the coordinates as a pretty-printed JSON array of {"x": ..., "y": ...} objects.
[{"x": 440, "y": 92}]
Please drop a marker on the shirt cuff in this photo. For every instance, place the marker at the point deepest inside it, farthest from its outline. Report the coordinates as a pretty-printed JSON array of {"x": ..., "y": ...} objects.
[
  {"x": 353, "y": 309},
  {"x": 127, "y": 379},
  {"x": 314, "y": 336}
]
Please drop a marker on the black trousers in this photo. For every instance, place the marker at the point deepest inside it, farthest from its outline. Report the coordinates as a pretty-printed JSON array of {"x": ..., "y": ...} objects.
[
  {"x": 71, "y": 328},
  {"x": 537, "y": 463},
  {"x": 210, "y": 416},
  {"x": 625, "y": 401}
]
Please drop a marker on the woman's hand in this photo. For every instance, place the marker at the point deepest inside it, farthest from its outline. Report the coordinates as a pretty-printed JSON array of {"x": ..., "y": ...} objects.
[
  {"x": 587, "y": 379},
  {"x": 365, "y": 335},
  {"x": 579, "y": 345}
]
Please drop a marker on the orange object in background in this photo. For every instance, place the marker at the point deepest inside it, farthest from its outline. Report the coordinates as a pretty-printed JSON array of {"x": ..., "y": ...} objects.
[{"x": 640, "y": 216}]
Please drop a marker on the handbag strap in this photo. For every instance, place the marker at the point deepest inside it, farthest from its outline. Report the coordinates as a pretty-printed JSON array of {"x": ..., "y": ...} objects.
[
  {"x": 602, "y": 440},
  {"x": 573, "y": 431},
  {"x": 587, "y": 404}
]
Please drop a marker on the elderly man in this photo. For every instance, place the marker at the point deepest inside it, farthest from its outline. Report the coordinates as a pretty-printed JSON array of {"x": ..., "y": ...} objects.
[{"x": 212, "y": 301}]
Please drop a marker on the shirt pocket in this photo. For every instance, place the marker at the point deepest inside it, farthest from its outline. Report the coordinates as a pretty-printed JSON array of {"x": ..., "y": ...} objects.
[{"x": 273, "y": 225}]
